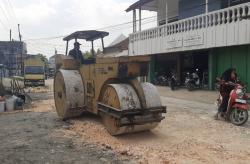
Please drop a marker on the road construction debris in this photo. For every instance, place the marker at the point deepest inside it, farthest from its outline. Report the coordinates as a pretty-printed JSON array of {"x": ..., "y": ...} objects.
[
  {"x": 188, "y": 136},
  {"x": 10, "y": 103},
  {"x": 37, "y": 89}
]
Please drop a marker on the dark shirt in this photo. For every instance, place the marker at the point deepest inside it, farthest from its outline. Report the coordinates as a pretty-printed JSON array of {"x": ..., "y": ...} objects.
[
  {"x": 77, "y": 55},
  {"x": 226, "y": 76}
]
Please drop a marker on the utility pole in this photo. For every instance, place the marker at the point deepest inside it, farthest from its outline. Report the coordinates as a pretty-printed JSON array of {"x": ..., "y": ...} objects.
[
  {"x": 20, "y": 39},
  {"x": 10, "y": 36},
  {"x": 206, "y": 6},
  {"x": 11, "y": 56}
]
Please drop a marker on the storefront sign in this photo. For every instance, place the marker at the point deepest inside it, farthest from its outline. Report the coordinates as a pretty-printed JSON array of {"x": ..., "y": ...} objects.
[
  {"x": 174, "y": 42},
  {"x": 193, "y": 40}
]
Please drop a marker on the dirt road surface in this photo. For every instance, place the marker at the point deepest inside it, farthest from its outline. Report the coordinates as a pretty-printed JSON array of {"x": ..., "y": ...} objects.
[
  {"x": 189, "y": 134},
  {"x": 36, "y": 135}
]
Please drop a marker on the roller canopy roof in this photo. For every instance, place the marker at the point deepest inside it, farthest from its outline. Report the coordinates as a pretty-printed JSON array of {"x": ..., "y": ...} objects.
[{"x": 90, "y": 35}]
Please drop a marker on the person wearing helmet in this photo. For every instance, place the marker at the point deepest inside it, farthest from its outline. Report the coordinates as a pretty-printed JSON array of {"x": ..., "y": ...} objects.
[{"x": 76, "y": 53}]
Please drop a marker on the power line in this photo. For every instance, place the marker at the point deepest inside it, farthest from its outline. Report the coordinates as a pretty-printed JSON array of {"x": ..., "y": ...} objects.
[
  {"x": 39, "y": 50},
  {"x": 127, "y": 23},
  {"x": 35, "y": 46},
  {"x": 46, "y": 38},
  {"x": 5, "y": 15},
  {"x": 121, "y": 24},
  {"x": 13, "y": 11},
  {"x": 12, "y": 16},
  {"x": 9, "y": 13},
  {"x": 4, "y": 27},
  {"x": 102, "y": 28},
  {"x": 58, "y": 37},
  {"x": 39, "y": 47},
  {"x": 58, "y": 45}
]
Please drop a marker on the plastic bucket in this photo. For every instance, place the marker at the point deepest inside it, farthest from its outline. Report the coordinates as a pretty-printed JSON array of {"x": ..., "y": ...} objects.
[
  {"x": 2, "y": 106},
  {"x": 11, "y": 103}
]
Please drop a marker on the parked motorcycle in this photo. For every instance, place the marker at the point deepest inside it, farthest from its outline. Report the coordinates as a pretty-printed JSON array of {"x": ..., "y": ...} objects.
[
  {"x": 237, "y": 110},
  {"x": 173, "y": 82},
  {"x": 192, "y": 81},
  {"x": 161, "y": 80}
]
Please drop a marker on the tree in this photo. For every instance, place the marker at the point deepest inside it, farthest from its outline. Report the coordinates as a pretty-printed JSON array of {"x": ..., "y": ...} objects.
[
  {"x": 87, "y": 55},
  {"x": 45, "y": 60}
]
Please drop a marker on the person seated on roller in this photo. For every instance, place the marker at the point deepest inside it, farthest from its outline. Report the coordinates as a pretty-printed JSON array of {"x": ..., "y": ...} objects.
[{"x": 76, "y": 53}]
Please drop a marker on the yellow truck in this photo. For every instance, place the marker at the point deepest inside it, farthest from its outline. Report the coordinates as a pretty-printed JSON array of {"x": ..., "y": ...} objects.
[{"x": 34, "y": 71}]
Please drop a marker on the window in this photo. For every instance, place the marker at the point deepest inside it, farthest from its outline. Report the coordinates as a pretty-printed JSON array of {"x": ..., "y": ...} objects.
[{"x": 34, "y": 70}]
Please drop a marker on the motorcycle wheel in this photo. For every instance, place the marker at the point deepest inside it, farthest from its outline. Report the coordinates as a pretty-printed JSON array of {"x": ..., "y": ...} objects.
[
  {"x": 171, "y": 85},
  {"x": 238, "y": 117},
  {"x": 190, "y": 87}
]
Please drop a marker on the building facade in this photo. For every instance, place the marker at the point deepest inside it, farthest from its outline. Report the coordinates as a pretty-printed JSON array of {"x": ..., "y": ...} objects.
[
  {"x": 211, "y": 35},
  {"x": 52, "y": 62},
  {"x": 11, "y": 54},
  {"x": 119, "y": 47}
]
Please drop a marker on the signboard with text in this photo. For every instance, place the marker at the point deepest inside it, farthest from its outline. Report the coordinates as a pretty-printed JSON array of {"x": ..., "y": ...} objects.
[
  {"x": 174, "y": 42},
  {"x": 193, "y": 40}
]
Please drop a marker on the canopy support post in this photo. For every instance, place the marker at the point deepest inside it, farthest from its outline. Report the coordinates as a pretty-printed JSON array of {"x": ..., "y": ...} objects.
[
  {"x": 102, "y": 44},
  {"x": 92, "y": 44},
  {"x": 67, "y": 47}
]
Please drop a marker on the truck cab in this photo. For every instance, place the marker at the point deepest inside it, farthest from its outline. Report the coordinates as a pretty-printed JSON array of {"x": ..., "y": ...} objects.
[{"x": 34, "y": 71}]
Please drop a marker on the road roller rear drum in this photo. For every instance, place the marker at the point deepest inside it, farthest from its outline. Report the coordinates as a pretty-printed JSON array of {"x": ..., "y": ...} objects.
[{"x": 69, "y": 93}]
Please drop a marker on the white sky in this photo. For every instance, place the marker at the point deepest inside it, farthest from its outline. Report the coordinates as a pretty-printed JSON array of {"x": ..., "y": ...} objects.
[{"x": 49, "y": 18}]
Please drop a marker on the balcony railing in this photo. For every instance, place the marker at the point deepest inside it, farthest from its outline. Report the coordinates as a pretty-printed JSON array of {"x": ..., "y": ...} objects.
[{"x": 225, "y": 27}]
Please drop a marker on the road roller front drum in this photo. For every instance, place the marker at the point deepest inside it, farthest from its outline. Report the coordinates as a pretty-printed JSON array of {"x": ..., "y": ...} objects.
[{"x": 121, "y": 109}]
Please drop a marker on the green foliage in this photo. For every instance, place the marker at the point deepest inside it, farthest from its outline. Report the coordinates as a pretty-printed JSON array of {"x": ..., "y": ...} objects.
[
  {"x": 87, "y": 55},
  {"x": 44, "y": 59}
]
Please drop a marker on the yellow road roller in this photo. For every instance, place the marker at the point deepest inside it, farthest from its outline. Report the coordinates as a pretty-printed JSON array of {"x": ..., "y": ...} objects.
[{"x": 108, "y": 87}]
